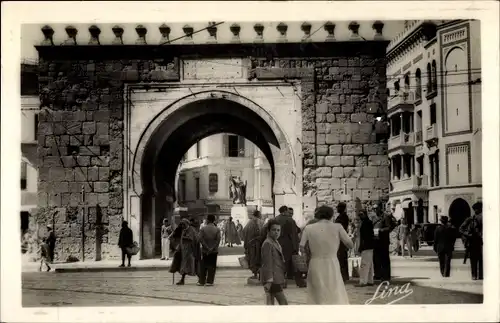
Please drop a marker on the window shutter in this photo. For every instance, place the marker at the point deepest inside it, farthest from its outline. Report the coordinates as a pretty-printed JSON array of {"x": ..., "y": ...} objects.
[
  {"x": 225, "y": 145},
  {"x": 241, "y": 146}
]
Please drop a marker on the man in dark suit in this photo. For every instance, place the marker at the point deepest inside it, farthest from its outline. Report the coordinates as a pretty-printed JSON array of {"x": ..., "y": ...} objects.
[
  {"x": 289, "y": 241},
  {"x": 383, "y": 225},
  {"x": 472, "y": 231},
  {"x": 342, "y": 253},
  {"x": 444, "y": 243}
]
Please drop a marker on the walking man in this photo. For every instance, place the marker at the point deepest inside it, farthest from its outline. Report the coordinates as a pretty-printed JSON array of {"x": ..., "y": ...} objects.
[
  {"x": 472, "y": 231},
  {"x": 366, "y": 243},
  {"x": 444, "y": 243},
  {"x": 51, "y": 243},
  {"x": 209, "y": 238},
  {"x": 383, "y": 226},
  {"x": 342, "y": 253},
  {"x": 289, "y": 241}
]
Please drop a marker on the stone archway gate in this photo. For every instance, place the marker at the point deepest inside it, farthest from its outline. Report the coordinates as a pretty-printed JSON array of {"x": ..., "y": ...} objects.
[{"x": 341, "y": 84}]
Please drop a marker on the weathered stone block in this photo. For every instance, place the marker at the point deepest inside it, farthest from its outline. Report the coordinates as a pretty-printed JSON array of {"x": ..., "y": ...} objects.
[
  {"x": 338, "y": 172},
  {"x": 381, "y": 183},
  {"x": 358, "y": 117},
  {"x": 322, "y": 150},
  {"x": 361, "y": 161},
  {"x": 89, "y": 128},
  {"x": 352, "y": 149},
  {"x": 103, "y": 199},
  {"x": 54, "y": 199},
  {"x": 83, "y": 161},
  {"x": 76, "y": 140},
  {"x": 334, "y": 108},
  {"x": 320, "y": 117},
  {"x": 378, "y": 160},
  {"x": 347, "y": 108},
  {"x": 103, "y": 173},
  {"x": 90, "y": 150},
  {"x": 384, "y": 171},
  {"x": 335, "y": 150},
  {"x": 321, "y": 127},
  {"x": 366, "y": 183},
  {"x": 324, "y": 172},
  {"x": 81, "y": 174},
  {"x": 102, "y": 128},
  {"x": 60, "y": 187},
  {"x": 322, "y": 107},
  {"x": 375, "y": 149},
  {"x": 101, "y": 162},
  {"x": 93, "y": 174},
  {"x": 353, "y": 172},
  {"x": 73, "y": 128},
  {"x": 320, "y": 160},
  {"x": 330, "y": 117},
  {"x": 308, "y": 136},
  {"x": 333, "y": 160},
  {"x": 320, "y": 139},
  {"x": 370, "y": 171},
  {"x": 342, "y": 118},
  {"x": 347, "y": 160},
  {"x": 101, "y": 187}
]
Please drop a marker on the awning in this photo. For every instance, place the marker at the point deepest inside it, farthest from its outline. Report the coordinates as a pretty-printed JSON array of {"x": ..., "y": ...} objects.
[{"x": 406, "y": 204}]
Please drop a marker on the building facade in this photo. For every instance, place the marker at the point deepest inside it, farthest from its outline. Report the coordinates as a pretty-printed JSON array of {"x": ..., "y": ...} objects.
[
  {"x": 204, "y": 176},
  {"x": 30, "y": 105},
  {"x": 434, "y": 111}
]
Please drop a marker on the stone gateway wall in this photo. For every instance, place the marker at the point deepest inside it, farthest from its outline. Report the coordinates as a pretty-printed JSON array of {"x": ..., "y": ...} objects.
[{"x": 81, "y": 144}]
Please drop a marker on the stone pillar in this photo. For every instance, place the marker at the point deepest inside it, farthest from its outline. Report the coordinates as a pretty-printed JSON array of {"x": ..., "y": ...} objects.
[
  {"x": 426, "y": 214},
  {"x": 401, "y": 116},
  {"x": 412, "y": 165},
  {"x": 415, "y": 215},
  {"x": 393, "y": 174},
  {"x": 147, "y": 227},
  {"x": 403, "y": 166},
  {"x": 436, "y": 167},
  {"x": 392, "y": 126}
]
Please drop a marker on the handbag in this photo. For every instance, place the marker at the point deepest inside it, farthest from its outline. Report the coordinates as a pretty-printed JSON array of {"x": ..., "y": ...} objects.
[
  {"x": 133, "y": 250},
  {"x": 243, "y": 262},
  {"x": 300, "y": 262}
]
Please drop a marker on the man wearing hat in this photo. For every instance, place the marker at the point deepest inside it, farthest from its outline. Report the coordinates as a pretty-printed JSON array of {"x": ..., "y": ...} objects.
[
  {"x": 472, "y": 231},
  {"x": 51, "y": 242},
  {"x": 444, "y": 242}
]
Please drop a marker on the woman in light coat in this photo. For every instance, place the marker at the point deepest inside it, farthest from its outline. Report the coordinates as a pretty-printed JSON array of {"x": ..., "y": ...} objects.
[{"x": 321, "y": 242}]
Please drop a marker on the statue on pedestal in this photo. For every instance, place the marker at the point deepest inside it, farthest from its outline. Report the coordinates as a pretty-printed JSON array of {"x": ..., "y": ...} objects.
[{"x": 238, "y": 190}]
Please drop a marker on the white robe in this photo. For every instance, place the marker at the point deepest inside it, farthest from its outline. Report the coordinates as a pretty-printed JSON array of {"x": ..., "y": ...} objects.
[{"x": 324, "y": 280}]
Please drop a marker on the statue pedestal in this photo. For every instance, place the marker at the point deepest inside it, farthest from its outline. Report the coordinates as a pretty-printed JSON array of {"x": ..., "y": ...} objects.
[{"x": 239, "y": 212}]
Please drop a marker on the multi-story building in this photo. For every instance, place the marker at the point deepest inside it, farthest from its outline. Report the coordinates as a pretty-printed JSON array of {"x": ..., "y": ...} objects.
[
  {"x": 203, "y": 179},
  {"x": 29, "y": 125},
  {"x": 434, "y": 110}
]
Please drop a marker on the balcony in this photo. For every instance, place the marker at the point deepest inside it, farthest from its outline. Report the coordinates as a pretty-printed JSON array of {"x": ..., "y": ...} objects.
[
  {"x": 404, "y": 142},
  {"x": 418, "y": 137},
  {"x": 402, "y": 101},
  {"x": 413, "y": 183},
  {"x": 431, "y": 134}
]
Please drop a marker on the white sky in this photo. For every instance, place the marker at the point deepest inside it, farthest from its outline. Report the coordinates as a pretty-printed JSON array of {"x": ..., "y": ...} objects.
[{"x": 31, "y": 34}]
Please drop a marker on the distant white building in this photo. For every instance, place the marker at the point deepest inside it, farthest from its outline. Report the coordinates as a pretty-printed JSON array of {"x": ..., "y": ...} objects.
[
  {"x": 434, "y": 109},
  {"x": 30, "y": 105},
  {"x": 203, "y": 178}
]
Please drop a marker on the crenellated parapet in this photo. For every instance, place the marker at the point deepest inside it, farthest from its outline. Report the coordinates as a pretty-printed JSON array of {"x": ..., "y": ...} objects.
[{"x": 213, "y": 32}]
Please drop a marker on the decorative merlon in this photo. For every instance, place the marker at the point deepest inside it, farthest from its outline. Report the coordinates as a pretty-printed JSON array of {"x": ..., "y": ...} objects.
[
  {"x": 71, "y": 32},
  {"x": 378, "y": 26},
  {"x": 306, "y": 28},
  {"x": 282, "y": 29},
  {"x": 141, "y": 33},
  {"x": 212, "y": 32},
  {"x": 330, "y": 29},
  {"x": 94, "y": 35},
  {"x": 354, "y": 28},
  {"x": 188, "y": 33},
  {"x": 48, "y": 33},
  {"x": 235, "y": 30},
  {"x": 165, "y": 34},
  {"x": 259, "y": 30},
  {"x": 118, "y": 31}
]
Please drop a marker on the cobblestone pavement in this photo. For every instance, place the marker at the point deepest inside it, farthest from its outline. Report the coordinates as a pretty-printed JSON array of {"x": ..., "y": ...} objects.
[{"x": 155, "y": 288}]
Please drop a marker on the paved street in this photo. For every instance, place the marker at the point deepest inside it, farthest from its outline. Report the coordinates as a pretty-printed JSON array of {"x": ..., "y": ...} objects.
[{"x": 155, "y": 288}]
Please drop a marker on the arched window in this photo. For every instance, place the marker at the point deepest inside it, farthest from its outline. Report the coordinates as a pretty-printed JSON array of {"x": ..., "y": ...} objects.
[
  {"x": 418, "y": 80},
  {"x": 434, "y": 76},
  {"x": 429, "y": 78},
  {"x": 407, "y": 82},
  {"x": 396, "y": 86}
]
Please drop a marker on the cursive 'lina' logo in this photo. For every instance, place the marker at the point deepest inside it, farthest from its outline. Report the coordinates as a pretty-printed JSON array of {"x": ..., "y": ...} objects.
[{"x": 393, "y": 294}]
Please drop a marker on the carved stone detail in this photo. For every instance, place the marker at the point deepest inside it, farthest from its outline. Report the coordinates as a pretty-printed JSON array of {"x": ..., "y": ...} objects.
[
  {"x": 330, "y": 29},
  {"x": 118, "y": 31},
  {"x": 48, "y": 33},
  {"x": 141, "y": 33}
]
